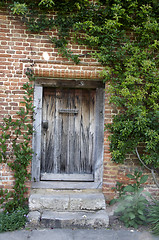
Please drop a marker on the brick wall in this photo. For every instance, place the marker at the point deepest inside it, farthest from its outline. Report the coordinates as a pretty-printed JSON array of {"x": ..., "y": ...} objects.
[{"x": 20, "y": 49}]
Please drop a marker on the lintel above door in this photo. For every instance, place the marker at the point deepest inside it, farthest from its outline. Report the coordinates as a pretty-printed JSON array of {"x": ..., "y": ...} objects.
[{"x": 71, "y": 83}]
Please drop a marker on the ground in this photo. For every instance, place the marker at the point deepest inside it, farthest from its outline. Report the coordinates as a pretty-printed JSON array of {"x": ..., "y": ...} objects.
[{"x": 116, "y": 224}]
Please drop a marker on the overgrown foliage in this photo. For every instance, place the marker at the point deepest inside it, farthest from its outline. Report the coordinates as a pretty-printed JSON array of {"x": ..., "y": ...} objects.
[
  {"x": 125, "y": 36},
  {"x": 125, "y": 39},
  {"x": 14, "y": 220},
  {"x": 16, "y": 149},
  {"x": 132, "y": 208}
]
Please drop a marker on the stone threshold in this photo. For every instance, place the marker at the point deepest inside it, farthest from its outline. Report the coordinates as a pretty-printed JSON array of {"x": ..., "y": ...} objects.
[{"x": 66, "y": 185}]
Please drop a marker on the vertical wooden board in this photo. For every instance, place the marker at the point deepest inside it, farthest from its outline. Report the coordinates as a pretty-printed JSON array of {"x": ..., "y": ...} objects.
[
  {"x": 71, "y": 132},
  {"x": 43, "y": 136},
  {"x": 77, "y": 126},
  {"x": 63, "y": 126},
  {"x": 37, "y": 132},
  {"x": 50, "y": 143},
  {"x": 85, "y": 124},
  {"x": 99, "y": 135},
  {"x": 49, "y": 111},
  {"x": 57, "y": 145},
  {"x": 57, "y": 136},
  {"x": 92, "y": 129}
]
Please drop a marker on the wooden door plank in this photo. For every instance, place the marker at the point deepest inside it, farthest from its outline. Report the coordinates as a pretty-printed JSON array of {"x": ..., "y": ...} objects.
[
  {"x": 48, "y": 140},
  {"x": 92, "y": 129},
  {"x": 77, "y": 149},
  {"x": 99, "y": 135},
  {"x": 38, "y": 90},
  {"x": 71, "y": 132},
  {"x": 66, "y": 177},
  {"x": 85, "y": 112},
  {"x": 63, "y": 126},
  {"x": 57, "y": 136}
]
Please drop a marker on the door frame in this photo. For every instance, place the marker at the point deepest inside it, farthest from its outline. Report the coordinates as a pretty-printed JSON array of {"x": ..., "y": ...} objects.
[{"x": 99, "y": 121}]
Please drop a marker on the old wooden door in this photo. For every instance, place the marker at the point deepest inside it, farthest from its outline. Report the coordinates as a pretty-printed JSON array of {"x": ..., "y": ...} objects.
[{"x": 68, "y": 134}]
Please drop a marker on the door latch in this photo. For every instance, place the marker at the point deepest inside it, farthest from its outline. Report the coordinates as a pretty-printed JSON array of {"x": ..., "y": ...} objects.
[{"x": 45, "y": 125}]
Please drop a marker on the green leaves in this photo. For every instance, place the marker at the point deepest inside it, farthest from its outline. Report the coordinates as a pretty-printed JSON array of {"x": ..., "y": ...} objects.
[
  {"x": 47, "y": 3},
  {"x": 129, "y": 188},
  {"x": 130, "y": 176},
  {"x": 19, "y": 154},
  {"x": 153, "y": 217},
  {"x": 13, "y": 221},
  {"x": 132, "y": 202},
  {"x": 19, "y": 8},
  {"x": 124, "y": 35},
  {"x": 143, "y": 179}
]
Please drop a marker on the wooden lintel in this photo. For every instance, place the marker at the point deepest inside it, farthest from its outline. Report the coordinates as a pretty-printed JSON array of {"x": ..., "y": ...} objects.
[{"x": 70, "y": 83}]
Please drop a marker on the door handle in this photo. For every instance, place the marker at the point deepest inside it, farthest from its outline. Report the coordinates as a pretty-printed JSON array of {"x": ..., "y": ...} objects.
[{"x": 45, "y": 125}]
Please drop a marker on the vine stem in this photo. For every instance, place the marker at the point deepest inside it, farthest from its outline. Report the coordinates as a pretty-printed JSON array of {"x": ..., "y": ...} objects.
[{"x": 150, "y": 169}]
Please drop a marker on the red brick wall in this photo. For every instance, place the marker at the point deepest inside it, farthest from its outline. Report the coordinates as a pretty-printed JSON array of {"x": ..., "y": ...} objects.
[{"x": 18, "y": 50}]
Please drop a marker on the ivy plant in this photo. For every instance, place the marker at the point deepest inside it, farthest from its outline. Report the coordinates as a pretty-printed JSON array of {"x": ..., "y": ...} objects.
[
  {"x": 124, "y": 37},
  {"x": 16, "y": 149}
]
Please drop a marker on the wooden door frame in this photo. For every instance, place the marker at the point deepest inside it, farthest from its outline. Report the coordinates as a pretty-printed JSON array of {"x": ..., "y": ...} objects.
[{"x": 99, "y": 122}]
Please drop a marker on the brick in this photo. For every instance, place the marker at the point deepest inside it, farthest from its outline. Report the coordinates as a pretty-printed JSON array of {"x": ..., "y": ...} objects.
[
  {"x": 5, "y": 55},
  {"x": 17, "y": 47},
  {"x": 3, "y": 17}
]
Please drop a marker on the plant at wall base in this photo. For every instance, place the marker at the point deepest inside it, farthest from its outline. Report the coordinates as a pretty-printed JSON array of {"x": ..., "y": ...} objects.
[
  {"x": 16, "y": 150},
  {"x": 132, "y": 203},
  {"x": 153, "y": 217},
  {"x": 14, "y": 220}
]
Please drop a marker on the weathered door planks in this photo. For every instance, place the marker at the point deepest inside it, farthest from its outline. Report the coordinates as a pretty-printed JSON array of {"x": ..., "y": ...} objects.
[{"x": 68, "y": 143}]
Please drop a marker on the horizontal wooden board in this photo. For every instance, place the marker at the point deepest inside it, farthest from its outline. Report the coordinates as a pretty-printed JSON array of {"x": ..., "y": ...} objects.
[
  {"x": 67, "y": 177},
  {"x": 75, "y": 83}
]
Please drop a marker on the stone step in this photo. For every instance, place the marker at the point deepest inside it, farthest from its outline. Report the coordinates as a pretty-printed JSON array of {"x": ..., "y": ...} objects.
[
  {"x": 52, "y": 219},
  {"x": 67, "y": 201},
  {"x": 45, "y": 191}
]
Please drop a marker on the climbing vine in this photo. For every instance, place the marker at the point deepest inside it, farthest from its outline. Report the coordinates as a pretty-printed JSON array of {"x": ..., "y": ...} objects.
[
  {"x": 15, "y": 149},
  {"x": 125, "y": 37}
]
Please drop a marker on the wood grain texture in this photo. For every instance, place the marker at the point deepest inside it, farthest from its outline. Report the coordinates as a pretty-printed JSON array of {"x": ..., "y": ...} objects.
[
  {"x": 68, "y": 144},
  {"x": 70, "y": 83},
  {"x": 38, "y": 90},
  {"x": 67, "y": 177}
]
